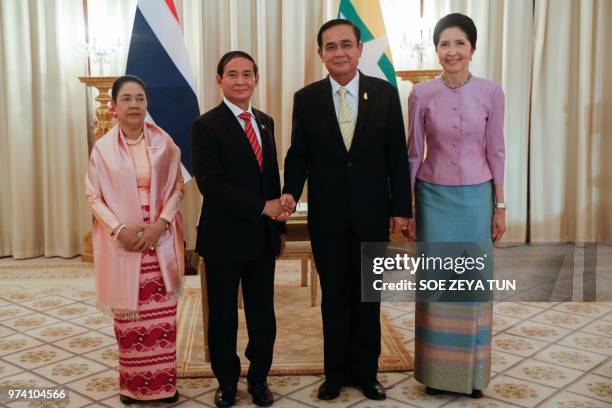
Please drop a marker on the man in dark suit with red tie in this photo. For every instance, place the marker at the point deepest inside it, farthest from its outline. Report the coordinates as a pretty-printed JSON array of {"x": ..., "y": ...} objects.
[
  {"x": 348, "y": 140},
  {"x": 239, "y": 233}
]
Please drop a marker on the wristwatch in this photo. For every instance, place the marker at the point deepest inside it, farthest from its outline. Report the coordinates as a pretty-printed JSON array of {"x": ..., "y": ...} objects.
[{"x": 500, "y": 205}]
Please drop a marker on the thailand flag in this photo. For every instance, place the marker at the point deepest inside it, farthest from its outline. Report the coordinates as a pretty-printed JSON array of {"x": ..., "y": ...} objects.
[{"x": 158, "y": 56}]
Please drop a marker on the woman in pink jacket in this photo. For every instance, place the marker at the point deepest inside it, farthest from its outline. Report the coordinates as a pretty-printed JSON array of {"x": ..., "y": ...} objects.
[
  {"x": 134, "y": 188},
  {"x": 458, "y": 185}
]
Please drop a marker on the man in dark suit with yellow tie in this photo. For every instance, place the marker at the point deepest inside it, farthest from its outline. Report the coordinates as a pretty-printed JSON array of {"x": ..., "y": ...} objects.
[
  {"x": 348, "y": 140},
  {"x": 239, "y": 235}
]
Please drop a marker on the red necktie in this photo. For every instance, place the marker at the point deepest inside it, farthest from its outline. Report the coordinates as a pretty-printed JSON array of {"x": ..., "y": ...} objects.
[{"x": 250, "y": 133}]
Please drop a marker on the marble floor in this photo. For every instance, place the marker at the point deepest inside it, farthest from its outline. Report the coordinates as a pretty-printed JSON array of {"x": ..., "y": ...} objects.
[{"x": 544, "y": 354}]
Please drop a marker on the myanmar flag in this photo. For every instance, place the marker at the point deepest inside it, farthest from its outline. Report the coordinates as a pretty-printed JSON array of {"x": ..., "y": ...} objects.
[{"x": 376, "y": 58}]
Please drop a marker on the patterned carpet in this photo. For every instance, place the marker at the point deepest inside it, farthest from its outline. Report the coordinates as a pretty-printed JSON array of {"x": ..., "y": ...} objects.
[
  {"x": 298, "y": 349},
  {"x": 545, "y": 354}
]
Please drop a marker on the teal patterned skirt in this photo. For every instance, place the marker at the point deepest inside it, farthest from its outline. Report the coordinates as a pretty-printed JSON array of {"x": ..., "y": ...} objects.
[{"x": 453, "y": 340}]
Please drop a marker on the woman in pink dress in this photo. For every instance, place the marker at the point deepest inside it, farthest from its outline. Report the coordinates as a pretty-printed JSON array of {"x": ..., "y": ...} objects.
[{"x": 134, "y": 188}]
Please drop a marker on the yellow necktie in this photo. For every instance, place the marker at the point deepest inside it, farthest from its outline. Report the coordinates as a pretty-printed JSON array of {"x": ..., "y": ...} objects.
[{"x": 345, "y": 118}]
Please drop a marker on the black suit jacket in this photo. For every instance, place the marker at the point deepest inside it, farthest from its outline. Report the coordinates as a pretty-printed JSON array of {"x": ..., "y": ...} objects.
[
  {"x": 232, "y": 225},
  {"x": 362, "y": 187}
]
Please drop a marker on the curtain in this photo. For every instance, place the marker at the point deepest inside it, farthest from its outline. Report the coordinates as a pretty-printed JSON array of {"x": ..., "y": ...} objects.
[
  {"x": 570, "y": 144},
  {"x": 5, "y": 164},
  {"x": 557, "y": 88},
  {"x": 43, "y": 131}
]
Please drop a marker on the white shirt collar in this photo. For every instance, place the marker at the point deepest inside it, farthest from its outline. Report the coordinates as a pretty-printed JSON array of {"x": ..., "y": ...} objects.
[
  {"x": 235, "y": 109},
  {"x": 352, "y": 87}
]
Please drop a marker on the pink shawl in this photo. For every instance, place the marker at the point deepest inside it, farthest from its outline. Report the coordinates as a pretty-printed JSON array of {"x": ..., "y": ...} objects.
[{"x": 112, "y": 177}]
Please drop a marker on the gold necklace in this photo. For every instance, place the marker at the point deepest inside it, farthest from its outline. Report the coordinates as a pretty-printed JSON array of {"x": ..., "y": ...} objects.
[{"x": 451, "y": 86}]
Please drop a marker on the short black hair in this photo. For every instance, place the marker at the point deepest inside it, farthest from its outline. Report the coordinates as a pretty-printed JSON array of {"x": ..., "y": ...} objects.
[
  {"x": 335, "y": 22},
  {"x": 461, "y": 21},
  {"x": 227, "y": 57},
  {"x": 119, "y": 82}
]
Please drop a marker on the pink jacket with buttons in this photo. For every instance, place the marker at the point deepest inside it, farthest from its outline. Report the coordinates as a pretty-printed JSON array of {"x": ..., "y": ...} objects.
[{"x": 463, "y": 130}]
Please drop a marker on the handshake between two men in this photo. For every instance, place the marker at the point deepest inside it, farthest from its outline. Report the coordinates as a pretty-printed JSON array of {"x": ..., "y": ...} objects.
[{"x": 280, "y": 209}]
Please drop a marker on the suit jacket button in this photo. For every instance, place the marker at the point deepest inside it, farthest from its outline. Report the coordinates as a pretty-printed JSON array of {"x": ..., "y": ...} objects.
[{"x": 349, "y": 164}]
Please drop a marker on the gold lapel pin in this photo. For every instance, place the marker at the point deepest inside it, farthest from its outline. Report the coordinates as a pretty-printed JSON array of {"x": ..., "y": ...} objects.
[
  {"x": 263, "y": 127},
  {"x": 365, "y": 96}
]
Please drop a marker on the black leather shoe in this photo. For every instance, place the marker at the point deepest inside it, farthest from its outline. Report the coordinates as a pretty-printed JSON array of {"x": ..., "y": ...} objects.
[
  {"x": 433, "y": 391},
  {"x": 476, "y": 394},
  {"x": 126, "y": 400},
  {"x": 172, "y": 399},
  {"x": 262, "y": 396},
  {"x": 328, "y": 392},
  {"x": 374, "y": 391},
  {"x": 225, "y": 397}
]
